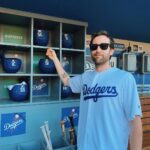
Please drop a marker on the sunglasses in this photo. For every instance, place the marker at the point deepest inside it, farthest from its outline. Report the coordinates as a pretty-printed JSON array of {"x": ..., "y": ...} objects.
[{"x": 103, "y": 46}]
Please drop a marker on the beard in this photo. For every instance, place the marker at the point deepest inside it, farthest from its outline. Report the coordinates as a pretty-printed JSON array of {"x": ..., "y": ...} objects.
[{"x": 99, "y": 61}]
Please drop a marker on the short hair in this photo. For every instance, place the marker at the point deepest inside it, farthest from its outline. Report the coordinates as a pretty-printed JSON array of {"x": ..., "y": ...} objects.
[{"x": 105, "y": 33}]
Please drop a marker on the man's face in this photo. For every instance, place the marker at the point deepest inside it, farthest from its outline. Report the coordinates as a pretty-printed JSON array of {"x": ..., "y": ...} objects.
[{"x": 99, "y": 56}]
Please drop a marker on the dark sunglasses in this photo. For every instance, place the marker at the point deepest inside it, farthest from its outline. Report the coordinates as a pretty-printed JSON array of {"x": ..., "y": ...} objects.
[{"x": 103, "y": 46}]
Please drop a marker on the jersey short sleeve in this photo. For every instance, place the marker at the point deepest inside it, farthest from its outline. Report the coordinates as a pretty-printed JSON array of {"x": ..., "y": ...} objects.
[
  {"x": 131, "y": 101},
  {"x": 75, "y": 84}
]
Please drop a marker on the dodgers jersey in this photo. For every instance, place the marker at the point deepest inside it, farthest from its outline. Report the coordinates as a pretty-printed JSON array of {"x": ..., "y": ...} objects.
[{"x": 109, "y": 101}]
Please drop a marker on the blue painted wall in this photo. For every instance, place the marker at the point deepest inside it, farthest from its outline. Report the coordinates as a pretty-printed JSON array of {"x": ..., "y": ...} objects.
[{"x": 36, "y": 114}]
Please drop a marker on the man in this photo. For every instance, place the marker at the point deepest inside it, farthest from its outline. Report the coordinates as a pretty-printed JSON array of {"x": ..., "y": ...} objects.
[{"x": 110, "y": 110}]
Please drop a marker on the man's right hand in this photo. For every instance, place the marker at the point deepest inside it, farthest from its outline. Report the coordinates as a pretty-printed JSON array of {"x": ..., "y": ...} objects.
[{"x": 51, "y": 54}]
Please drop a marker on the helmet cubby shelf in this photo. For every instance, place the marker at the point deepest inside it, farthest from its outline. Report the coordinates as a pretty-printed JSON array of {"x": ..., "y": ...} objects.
[{"x": 24, "y": 39}]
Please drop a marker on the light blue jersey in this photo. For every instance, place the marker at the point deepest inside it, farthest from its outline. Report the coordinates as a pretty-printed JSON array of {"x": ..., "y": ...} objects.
[{"x": 109, "y": 100}]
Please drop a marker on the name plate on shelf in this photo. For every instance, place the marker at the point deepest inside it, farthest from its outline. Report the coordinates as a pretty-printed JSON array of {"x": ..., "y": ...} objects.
[
  {"x": 13, "y": 34},
  {"x": 40, "y": 86}
]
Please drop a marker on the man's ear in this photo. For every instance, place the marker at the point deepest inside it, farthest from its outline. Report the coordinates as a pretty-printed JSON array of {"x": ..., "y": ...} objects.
[{"x": 111, "y": 51}]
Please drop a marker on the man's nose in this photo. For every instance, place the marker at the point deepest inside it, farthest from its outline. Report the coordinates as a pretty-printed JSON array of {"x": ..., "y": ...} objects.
[{"x": 98, "y": 48}]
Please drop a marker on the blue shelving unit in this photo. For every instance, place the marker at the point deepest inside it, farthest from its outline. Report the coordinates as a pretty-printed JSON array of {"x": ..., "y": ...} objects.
[{"x": 20, "y": 122}]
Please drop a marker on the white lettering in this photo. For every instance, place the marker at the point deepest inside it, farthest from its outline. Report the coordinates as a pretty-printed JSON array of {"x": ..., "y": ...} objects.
[
  {"x": 13, "y": 36},
  {"x": 13, "y": 125},
  {"x": 39, "y": 87}
]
